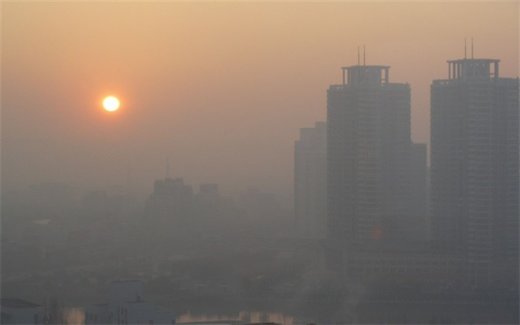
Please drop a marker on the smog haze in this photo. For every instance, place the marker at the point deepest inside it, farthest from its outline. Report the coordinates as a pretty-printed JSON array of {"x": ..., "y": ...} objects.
[{"x": 219, "y": 90}]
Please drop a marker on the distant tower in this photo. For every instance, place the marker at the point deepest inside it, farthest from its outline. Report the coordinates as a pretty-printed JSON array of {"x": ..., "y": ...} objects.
[
  {"x": 310, "y": 181},
  {"x": 171, "y": 199},
  {"x": 368, "y": 156},
  {"x": 474, "y": 164}
]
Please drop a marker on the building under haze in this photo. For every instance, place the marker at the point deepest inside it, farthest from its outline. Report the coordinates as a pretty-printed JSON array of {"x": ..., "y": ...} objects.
[
  {"x": 368, "y": 157},
  {"x": 171, "y": 199},
  {"x": 474, "y": 165},
  {"x": 310, "y": 181}
]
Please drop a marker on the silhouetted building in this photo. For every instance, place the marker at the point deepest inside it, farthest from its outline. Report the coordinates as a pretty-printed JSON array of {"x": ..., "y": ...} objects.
[
  {"x": 368, "y": 156},
  {"x": 474, "y": 164},
  {"x": 310, "y": 181},
  {"x": 171, "y": 198}
]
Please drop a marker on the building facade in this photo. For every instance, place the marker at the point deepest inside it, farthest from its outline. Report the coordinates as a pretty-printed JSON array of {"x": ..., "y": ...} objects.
[
  {"x": 474, "y": 164},
  {"x": 310, "y": 182},
  {"x": 368, "y": 157}
]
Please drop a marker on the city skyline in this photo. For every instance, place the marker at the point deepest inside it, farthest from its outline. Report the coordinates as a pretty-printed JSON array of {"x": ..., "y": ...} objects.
[
  {"x": 247, "y": 162},
  {"x": 272, "y": 88}
]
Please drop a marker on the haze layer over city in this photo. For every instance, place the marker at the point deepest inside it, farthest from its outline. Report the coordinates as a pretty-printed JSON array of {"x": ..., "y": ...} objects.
[
  {"x": 221, "y": 89},
  {"x": 286, "y": 162}
]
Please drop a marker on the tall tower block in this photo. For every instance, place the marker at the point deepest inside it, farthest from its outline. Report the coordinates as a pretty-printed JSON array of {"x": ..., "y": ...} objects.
[
  {"x": 474, "y": 164},
  {"x": 368, "y": 151}
]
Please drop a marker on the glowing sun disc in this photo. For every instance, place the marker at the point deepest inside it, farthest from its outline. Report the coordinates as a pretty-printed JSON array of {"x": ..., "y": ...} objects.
[{"x": 111, "y": 103}]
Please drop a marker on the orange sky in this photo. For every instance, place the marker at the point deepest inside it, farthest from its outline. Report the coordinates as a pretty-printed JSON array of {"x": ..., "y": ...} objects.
[{"x": 220, "y": 88}]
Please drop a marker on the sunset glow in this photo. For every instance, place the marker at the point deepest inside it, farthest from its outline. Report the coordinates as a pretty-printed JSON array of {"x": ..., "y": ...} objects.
[
  {"x": 260, "y": 162},
  {"x": 111, "y": 103}
]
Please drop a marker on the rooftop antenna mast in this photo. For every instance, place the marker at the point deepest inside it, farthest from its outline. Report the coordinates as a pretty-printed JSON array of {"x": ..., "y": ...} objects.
[
  {"x": 358, "y": 60},
  {"x": 465, "y": 54},
  {"x": 364, "y": 55},
  {"x": 472, "y": 47}
]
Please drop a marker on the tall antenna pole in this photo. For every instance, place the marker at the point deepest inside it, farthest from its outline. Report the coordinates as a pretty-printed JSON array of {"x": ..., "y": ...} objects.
[
  {"x": 465, "y": 55},
  {"x": 364, "y": 55},
  {"x": 472, "y": 47},
  {"x": 358, "y": 60}
]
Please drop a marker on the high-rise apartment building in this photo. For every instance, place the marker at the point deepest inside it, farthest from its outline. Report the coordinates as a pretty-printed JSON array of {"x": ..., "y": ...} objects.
[
  {"x": 474, "y": 163},
  {"x": 310, "y": 182},
  {"x": 368, "y": 156}
]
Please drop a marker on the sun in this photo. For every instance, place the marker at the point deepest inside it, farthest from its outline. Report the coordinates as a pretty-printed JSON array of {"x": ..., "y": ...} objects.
[{"x": 111, "y": 103}]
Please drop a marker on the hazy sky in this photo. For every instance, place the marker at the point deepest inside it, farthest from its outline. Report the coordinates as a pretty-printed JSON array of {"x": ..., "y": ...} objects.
[{"x": 220, "y": 88}]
